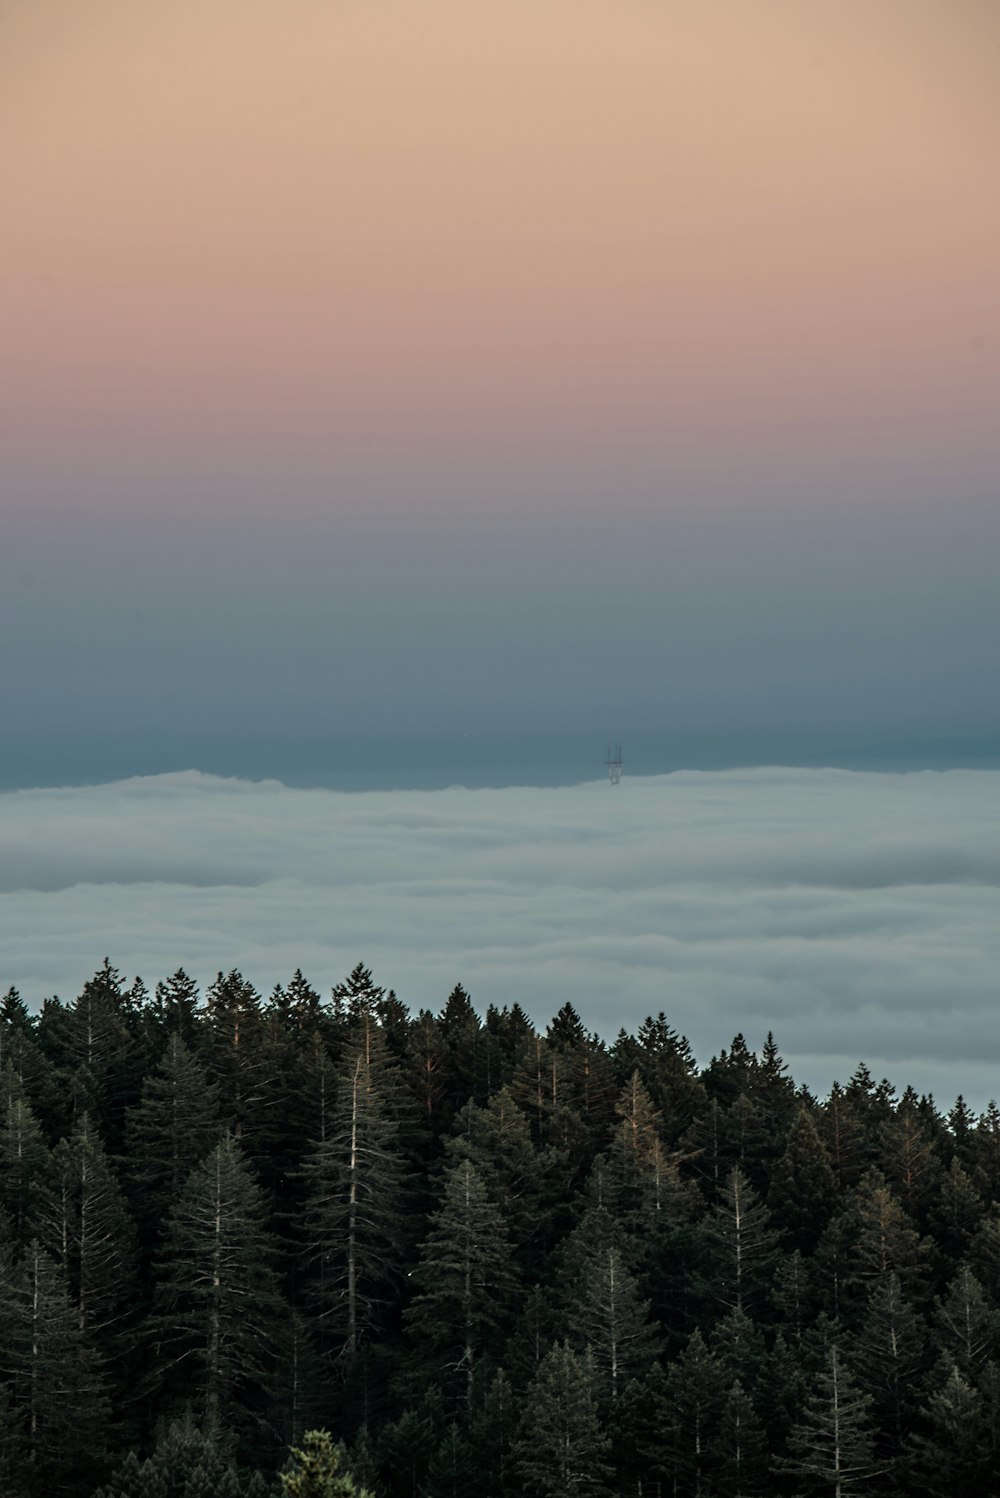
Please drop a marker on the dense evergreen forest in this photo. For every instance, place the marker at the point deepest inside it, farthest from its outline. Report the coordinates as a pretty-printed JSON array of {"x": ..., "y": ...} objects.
[{"x": 487, "y": 1261}]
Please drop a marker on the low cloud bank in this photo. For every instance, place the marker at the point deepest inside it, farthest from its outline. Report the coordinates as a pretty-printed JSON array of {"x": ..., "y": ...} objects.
[{"x": 856, "y": 915}]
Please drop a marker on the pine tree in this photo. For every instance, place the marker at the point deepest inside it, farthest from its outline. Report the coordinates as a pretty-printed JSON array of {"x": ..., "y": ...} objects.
[
  {"x": 455, "y": 1469},
  {"x": 954, "y": 1452},
  {"x": 497, "y": 1140},
  {"x": 57, "y": 1387},
  {"x": 612, "y": 1321},
  {"x": 967, "y": 1326},
  {"x": 176, "y": 1005},
  {"x": 887, "y": 1241},
  {"x": 25, "y": 1162},
  {"x": 841, "y": 1132},
  {"x": 84, "y": 1223},
  {"x": 885, "y": 1355},
  {"x": 354, "y": 1180},
  {"x": 985, "y": 1149},
  {"x": 461, "y": 1031},
  {"x": 644, "y": 1188},
  {"x": 231, "y": 1038},
  {"x": 691, "y": 1416},
  {"x": 491, "y": 1431},
  {"x": 172, "y": 1129},
  {"x": 793, "y": 1295},
  {"x": 831, "y": 1449},
  {"x": 314, "y": 1470},
  {"x": 908, "y": 1157},
  {"x": 955, "y": 1212},
  {"x": 561, "y": 1450},
  {"x": 464, "y": 1278},
  {"x": 803, "y": 1191},
  {"x": 742, "y": 1244},
  {"x": 185, "y": 1463},
  {"x": 89, "y": 1042},
  {"x": 217, "y": 1303},
  {"x": 742, "y": 1447},
  {"x": 406, "y": 1449},
  {"x": 738, "y": 1346}
]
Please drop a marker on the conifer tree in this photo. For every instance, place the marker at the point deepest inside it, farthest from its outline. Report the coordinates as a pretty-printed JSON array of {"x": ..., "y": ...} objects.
[
  {"x": 316, "y": 1470},
  {"x": 428, "y": 1076},
  {"x": 738, "y": 1346},
  {"x": 172, "y": 1129},
  {"x": 231, "y": 1040},
  {"x": 19, "y": 1048},
  {"x": 491, "y": 1431},
  {"x": 885, "y": 1355},
  {"x": 955, "y": 1212},
  {"x": 354, "y": 1179},
  {"x": 985, "y": 1149},
  {"x": 464, "y": 1278},
  {"x": 497, "y": 1140},
  {"x": 907, "y": 1155},
  {"x": 695, "y": 1392},
  {"x": 742, "y": 1447},
  {"x": 831, "y": 1449},
  {"x": 966, "y": 1324},
  {"x": 840, "y": 1129},
  {"x": 217, "y": 1303},
  {"x": 612, "y": 1321},
  {"x": 644, "y": 1188},
  {"x": 887, "y": 1241},
  {"x": 88, "y": 1042},
  {"x": 406, "y": 1449},
  {"x": 25, "y": 1161},
  {"x": 742, "y": 1244},
  {"x": 803, "y": 1191},
  {"x": 561, "y": 1450},
  {"x": 57, "y": 1387},
  {"x": 955, "y": 1451},
  {"x": 176, "y": 1005},
  {"x": 461, "y": 1032},
  {"x": 793, "y": 1295},
  {"x": 667, "y": 1067},
  {"x": 84, "y": 1223}
]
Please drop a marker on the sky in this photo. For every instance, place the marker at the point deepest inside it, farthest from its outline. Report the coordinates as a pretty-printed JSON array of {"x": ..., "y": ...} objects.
[
  {"x": 856, "y": 915},
  {"x": 395, "y": 395}
]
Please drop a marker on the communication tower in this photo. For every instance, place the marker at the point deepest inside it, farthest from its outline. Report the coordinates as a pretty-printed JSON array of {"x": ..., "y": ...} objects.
[{"x": 614, "y": 763}]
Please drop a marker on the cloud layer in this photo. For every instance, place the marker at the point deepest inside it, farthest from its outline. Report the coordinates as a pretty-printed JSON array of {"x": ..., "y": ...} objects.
[{"x": 856, "y": 915}]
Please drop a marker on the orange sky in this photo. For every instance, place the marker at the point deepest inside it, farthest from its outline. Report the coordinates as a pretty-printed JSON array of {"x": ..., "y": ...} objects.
[{"x": 693, "y": 223}]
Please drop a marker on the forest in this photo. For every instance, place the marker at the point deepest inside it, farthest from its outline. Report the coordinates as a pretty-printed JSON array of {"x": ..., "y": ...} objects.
[{"x": 446, "y": 1255}]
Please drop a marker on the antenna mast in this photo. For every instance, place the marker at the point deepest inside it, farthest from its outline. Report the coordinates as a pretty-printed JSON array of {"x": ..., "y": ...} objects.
[{"x": 614, "y": 763}]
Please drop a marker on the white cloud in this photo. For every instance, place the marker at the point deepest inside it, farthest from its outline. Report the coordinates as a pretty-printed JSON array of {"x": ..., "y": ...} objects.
[{"x": 857, "y": 915}]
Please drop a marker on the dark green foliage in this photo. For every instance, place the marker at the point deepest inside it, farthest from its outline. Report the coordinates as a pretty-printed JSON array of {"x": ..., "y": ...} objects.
[
  {"x": 353, "y": 1224},
  {"x": 743, "y": 1461},
  {"x": 612, "y": 1321},
  {"x": 217, "y": 1305},
  {"x": 831, "y": 1449},
  {"x": 803, "y": 1190},
  {"x": 464, "y": 1281},
  {"x": 954, "y": 1449},
  {"x": 171, "y": 1130},
  {"x": 694, "y": 1394},
  {"x": 561, "y": 1449},
  {"x": 448, "y": 1256},
  {"x": 55, "y": 1385},
  {"x": 84, "y": 1223},
  {"x": 741, "y": 1245},
  {"x": 25, "y": 1161}
]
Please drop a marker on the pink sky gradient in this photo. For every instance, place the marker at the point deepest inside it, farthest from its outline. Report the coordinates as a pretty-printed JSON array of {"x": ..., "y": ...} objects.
[{"x": 690, "y": 238}]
